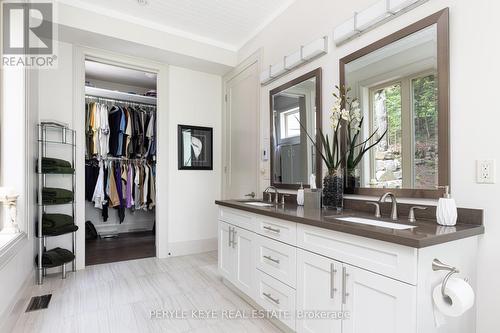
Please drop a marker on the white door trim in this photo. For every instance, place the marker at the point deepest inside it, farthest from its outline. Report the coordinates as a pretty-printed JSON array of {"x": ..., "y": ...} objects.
[
  {"x": 162, "y": 195},
  {"x": 255, "y": 58}
]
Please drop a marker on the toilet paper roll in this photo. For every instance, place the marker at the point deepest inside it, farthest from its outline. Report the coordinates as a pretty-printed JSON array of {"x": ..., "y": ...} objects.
[{"x": 461, "y": 297}]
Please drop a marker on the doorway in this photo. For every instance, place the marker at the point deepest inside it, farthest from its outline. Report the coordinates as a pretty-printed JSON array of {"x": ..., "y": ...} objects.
[{"x": 120, "y": 162}]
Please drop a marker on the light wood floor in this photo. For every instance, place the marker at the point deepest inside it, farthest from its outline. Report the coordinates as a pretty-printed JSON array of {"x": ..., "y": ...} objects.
[{"x": 119, "y": 297}]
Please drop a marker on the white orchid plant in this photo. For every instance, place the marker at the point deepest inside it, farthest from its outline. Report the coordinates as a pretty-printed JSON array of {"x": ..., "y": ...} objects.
[{"x": 346, "y": 112}]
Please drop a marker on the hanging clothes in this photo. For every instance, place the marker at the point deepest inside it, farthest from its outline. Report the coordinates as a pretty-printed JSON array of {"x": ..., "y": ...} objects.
[
  {"x": 103, "y": 130},
  {"x": 98, "y": 196},
  {"x": 119, "y": 190},
  {"x": 105, "y": 186},
  {"x": 91, "y": 175},
  {"x": 120, "y": 132}
]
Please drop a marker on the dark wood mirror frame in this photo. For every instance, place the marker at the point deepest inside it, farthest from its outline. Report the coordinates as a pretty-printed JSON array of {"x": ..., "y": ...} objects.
[
  {"x": 319, "y": 163},
  {"x": 441, "y": 19}
]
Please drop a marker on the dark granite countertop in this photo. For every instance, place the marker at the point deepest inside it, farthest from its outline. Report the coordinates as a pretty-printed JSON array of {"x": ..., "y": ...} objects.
[{"x": 426, "y": 232}]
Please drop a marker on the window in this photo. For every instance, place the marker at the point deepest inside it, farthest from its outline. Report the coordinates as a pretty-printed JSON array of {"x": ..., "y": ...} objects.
[
  {"x": 425, "y": 115},
  {"x": 12, "y": 144},
  {"x": 290, "y": 123},
  {"x": 386, "y": 114},
  {"x": 407, "y": 157}
]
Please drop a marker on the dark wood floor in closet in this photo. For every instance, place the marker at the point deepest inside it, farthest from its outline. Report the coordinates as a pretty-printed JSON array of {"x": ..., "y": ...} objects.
[{"x": 129, "y": 246}]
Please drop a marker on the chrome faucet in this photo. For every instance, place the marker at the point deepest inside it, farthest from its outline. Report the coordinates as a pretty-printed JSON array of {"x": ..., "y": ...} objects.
[
  {"x": 270, "y": 195},
  {"x": 394, "y": 209}
]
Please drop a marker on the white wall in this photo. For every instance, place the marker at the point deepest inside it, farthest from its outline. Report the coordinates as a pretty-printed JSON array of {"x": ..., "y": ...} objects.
[
  {"x": 474, "y": 65},
  {"x": 195, "y": 99}
]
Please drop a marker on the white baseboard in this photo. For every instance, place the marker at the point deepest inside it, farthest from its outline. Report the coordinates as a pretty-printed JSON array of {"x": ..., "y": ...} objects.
[
  {"x": 18, "y": 305},
  {"x": 192, "y": 247},
  {"x": 103, "y": 229}
]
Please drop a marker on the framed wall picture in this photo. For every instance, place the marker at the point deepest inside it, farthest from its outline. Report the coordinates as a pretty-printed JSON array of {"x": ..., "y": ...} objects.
[{"x": 195, "y": 149}]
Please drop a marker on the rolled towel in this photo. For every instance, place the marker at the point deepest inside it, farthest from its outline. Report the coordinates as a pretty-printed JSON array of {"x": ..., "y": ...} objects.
[
  {"x": 56, "y": 257},
  {"x": 57, "y": 169},
  {"x": 55, "y": 196},
  {"x": 55, "y": 162},
  {"x": 57, "y": 224}
]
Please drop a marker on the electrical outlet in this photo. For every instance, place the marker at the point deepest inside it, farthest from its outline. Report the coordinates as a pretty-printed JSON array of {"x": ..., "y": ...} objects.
[{"x": 485, "y": 172}]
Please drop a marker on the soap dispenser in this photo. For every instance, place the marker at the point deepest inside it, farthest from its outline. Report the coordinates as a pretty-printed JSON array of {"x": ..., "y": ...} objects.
[
  {"x": 300, "y": 195},
  {"x": 446, "y": 212}
]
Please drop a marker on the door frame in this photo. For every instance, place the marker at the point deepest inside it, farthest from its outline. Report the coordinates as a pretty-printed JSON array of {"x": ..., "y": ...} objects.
[
  {"x": 255, "y": 58},
  {"x": 80, "y": 54}
]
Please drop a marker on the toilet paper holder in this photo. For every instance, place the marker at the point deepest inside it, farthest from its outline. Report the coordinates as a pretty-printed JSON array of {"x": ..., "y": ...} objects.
[{"x": 437, "y": 265}]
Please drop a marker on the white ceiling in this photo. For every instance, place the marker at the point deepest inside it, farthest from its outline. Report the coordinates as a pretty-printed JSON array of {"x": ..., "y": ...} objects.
[
  {"x": 227, "y": 24},
  {"x": 99, "y": 71}
]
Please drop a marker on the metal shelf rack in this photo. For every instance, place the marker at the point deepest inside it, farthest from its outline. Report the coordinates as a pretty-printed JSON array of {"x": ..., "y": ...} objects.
[{"x": 61, "y": 135}]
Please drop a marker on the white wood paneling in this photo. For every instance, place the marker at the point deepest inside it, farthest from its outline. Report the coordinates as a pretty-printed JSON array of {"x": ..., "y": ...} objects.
[{"x": 223, "y": 23}]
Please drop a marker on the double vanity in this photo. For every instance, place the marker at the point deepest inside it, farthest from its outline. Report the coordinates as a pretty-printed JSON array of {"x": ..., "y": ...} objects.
[
  {"x": 318, "y": 271},
  {"x": 376, "y": 267}
]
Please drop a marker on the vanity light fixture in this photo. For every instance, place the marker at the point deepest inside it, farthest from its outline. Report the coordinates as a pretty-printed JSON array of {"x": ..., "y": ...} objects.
[
  {"x": 306, "y": 53},
  {"x": 371, "y": 17}
]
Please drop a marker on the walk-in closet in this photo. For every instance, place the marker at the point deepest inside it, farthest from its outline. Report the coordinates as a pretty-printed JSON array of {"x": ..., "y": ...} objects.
[{"x": 120, "y": 163}]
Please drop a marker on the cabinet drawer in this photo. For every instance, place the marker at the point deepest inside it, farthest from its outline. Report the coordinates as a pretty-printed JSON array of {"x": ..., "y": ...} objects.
[
  {"x": 392, "y": 260},
  {"x": 237, "y": 217},
  {"x": 276, "y": 296},
  {"x": 276, "y": 259},
  {"x": 284, "y": 231}
]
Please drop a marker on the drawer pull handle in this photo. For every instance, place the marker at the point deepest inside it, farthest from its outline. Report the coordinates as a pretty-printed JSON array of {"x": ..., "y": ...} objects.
[
  {"x": 269, "y": 297},
  {"x": 234, "y": 235},
  {"x": 344, "y": 285},
  {"x": 271, "y": 229},
  {"x": 271, "y": 259},
  {"x": 332, "y": 280},
  {"x": 229, "y": 240}
]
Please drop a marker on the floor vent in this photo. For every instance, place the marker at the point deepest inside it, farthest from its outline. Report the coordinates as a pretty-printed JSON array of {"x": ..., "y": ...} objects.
[{"x": 39, "y": 303}]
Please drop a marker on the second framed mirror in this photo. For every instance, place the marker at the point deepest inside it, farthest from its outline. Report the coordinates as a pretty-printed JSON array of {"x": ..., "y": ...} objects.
[{"x": 294, "y": 108}]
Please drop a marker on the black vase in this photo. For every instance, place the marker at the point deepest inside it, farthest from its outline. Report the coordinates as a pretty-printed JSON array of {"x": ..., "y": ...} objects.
[
  {"x": 333, "y": 190},
  {"x": 351, "y": 182}
]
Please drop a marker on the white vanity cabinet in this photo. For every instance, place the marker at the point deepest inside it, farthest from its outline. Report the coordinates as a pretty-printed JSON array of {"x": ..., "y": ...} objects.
[
  {"x": 236, "y": 253},
  {"x": 371, "y": 302},
  {"x": 319, "y": 288},
  {"x": 377, "y": 304},
  {"x": 368, "y": 285}
]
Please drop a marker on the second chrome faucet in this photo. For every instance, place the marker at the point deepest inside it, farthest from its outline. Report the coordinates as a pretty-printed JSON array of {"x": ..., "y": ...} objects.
[{"x": 394, "y": 208}]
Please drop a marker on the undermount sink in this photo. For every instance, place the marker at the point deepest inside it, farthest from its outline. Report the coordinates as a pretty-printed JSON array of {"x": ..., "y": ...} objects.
[
  {"x": 375, "y": 223},
  {"x": 258, "y": 204}
]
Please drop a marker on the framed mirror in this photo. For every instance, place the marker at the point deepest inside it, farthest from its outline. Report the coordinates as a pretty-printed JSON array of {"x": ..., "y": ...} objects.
[
  {"x": 295, "y": 107},
  {"x": 402, "y": 85}
]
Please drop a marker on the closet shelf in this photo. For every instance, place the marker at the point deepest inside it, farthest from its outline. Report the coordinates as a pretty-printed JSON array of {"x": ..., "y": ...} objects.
[{"x": 118, "y": 95}]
